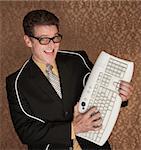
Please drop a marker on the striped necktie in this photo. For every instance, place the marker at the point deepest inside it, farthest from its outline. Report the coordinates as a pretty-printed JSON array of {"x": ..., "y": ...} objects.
[{"x": 54, "y": 80}]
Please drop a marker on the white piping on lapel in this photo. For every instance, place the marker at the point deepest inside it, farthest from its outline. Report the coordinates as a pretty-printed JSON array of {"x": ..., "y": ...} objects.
[
  {"x": 18, "y": 97},
  {"x": 67, "y": 52}
]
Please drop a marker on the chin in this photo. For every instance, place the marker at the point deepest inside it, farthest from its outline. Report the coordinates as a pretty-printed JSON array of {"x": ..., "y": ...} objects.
[
  {"x": 50, "y": 61},
  {"x": 50, "y": 56}
]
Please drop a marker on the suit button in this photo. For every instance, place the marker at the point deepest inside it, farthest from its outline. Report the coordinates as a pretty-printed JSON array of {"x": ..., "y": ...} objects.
[{"x": 66, "y": 113}]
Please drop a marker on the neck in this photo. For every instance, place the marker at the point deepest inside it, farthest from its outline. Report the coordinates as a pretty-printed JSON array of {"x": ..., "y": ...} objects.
[{"x": 43, "y": 62}]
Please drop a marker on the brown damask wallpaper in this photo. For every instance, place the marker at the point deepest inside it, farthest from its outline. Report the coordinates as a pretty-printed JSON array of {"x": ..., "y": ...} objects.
[{"x": 113, "y": 26}]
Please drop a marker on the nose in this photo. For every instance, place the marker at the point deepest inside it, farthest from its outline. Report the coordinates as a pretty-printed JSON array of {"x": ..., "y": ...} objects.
[{"x": 51, "y": 44}]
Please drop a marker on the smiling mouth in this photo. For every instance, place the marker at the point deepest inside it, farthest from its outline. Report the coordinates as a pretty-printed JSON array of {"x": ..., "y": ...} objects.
[{"x": 49, "y": 52}]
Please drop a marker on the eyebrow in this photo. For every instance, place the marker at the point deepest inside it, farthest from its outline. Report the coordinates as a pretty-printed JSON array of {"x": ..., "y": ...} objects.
[{"x": 47, "y": 35}]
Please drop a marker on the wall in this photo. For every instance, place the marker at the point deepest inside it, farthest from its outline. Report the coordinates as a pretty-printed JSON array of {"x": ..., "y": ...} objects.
[{"x": 90, "y": 25}]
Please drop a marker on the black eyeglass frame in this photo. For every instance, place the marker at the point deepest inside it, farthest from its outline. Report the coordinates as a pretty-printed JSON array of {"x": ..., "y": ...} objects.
[{"x": 50, "y": 39}]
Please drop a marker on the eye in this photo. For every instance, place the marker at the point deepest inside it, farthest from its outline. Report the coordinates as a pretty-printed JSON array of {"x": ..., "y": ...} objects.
[
  {"x": 57, "y": 38},
  {"x": 44, "y": 40}
]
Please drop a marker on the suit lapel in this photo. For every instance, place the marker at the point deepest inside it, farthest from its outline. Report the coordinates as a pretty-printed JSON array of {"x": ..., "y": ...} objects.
[
  {"x": 42, "y": 82},
  {"x": 64, "y": 74}
]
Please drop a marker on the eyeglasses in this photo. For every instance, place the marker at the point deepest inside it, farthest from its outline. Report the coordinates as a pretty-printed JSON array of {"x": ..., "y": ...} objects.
[{"x": 46, "y": 40}]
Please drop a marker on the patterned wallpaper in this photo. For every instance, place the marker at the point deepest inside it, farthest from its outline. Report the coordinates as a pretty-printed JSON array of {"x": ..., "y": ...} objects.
[{"x": 113, "y": 26}]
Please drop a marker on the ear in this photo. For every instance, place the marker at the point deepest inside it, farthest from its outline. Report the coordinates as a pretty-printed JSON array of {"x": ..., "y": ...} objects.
[{"x": 28, "y": 41}]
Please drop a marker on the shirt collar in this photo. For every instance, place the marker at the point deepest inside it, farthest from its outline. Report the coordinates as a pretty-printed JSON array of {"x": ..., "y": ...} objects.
[{"x": 42, "y": 66}]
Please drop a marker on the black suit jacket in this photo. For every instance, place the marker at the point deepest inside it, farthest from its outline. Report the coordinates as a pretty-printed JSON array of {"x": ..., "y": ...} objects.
[{"x": 39, "y": 116}]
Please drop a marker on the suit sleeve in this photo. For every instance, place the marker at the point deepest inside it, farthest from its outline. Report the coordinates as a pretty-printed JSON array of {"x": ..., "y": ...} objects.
[
  {"x": 87, "y": 60},
  {"x": 29, "y": 130}
]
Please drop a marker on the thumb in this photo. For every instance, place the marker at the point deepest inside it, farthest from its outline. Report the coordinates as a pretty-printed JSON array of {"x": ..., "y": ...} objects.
[{"x": 76, "y": 109}]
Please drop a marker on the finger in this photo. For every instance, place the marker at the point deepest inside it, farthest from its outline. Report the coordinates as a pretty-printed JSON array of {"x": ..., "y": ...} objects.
[
  {"x": 96, "y": 116},
  {"x": 91, "y": 112},
  {"x": 76, "y": 107},
  {"x": 125, "y": 88},
  {"x": 96, "y": 128},
  {"x": 124, "y": 98},
  {"x": 97, "y": 123},
  {"x": 127, "y": 85},
  {"x": 124, "y": 93}
]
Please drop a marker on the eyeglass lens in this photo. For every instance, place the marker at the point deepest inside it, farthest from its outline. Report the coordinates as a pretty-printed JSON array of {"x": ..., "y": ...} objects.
[{"x": 46, "y": 40}]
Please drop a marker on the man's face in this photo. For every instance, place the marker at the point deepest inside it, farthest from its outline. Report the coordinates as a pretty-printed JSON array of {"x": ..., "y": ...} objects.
[{"x": 43, "y": 53}]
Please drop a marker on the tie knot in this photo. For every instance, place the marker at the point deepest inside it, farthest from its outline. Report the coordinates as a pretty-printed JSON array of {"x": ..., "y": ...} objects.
[{"x": 49, "y": 67}]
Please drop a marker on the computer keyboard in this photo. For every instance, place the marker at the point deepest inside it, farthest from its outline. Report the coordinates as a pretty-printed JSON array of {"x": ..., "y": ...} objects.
[{"x": 102, "y": 91}]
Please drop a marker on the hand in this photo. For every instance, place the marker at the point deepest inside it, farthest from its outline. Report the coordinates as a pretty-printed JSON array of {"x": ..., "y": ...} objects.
[
  {"x": 125, "y": 90},
  {"x": 88, "y": 121}
]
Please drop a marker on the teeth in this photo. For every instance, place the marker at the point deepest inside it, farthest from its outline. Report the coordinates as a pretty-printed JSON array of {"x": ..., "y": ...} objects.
[{"x": 48, "y": 51}]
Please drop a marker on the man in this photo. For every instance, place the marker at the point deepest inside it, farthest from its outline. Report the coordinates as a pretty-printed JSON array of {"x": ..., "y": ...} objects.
[{"x": 43, "y": 111}]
